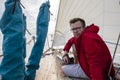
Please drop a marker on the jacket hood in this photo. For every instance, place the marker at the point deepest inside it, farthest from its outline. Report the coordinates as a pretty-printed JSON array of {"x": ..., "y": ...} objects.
[{"x": 92, "y": 28}]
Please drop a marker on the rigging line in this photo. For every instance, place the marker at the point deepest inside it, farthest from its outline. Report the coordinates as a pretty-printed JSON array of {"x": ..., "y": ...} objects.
[
  {"x": 33, "y": 37},
  {"x": 22, "y": 5},
  {"x": 1, "y": 55},
  {"x": 28, "y": 31},
  {"x": 13, "y": 9},
  {"x": 114, "y": 55},
  {"x": 50, "y": 13},
  {"x": 117, "y": 71},
  {"x": 112, "y": 43}
]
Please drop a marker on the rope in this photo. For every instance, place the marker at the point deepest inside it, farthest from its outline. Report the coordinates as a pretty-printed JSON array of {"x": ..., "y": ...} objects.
[
  {"x": 117, "y": 72},
  {"x": 1, "y": 55},
  {"x": 28, "y": 32},
  {"x": 13, "y": 10},
  {"x": 14, "y": 7},
  {"x": 114, "y": 55},
  {"x": 33, "y": 37},
  {"x": 112, "y": 43}
]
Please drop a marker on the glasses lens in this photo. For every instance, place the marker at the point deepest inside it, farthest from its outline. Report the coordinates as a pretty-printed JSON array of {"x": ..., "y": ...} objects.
[{"x": 77, "y": 28}]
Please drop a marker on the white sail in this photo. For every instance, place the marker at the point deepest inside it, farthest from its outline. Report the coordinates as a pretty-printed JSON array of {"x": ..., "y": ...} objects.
[{"x": 104, "y": 13}]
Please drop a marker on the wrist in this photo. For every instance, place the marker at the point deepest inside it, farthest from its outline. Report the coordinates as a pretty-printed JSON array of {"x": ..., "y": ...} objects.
[{"x": 65, "y": 55}]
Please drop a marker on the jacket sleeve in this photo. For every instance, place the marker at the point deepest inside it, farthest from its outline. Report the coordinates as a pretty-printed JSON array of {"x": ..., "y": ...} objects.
[
  {"x": 94, "y": 58},
  {"x": 68, "y": 45}
]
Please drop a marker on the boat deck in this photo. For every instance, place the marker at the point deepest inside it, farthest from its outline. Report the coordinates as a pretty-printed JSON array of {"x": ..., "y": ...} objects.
[{"x": 50, "y": 69}]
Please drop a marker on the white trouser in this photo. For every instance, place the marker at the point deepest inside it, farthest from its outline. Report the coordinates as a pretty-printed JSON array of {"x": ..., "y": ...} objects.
[{"x": 74, "y": 70}]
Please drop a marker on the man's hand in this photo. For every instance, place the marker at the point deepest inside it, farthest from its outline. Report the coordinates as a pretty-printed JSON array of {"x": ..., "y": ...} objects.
[{"x": 65, "y": 58}]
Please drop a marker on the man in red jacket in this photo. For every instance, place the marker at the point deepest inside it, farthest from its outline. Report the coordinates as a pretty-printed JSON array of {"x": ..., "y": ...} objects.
[
  {"x": 92, "y": 53},
  {"x": 73, "y": 70}
]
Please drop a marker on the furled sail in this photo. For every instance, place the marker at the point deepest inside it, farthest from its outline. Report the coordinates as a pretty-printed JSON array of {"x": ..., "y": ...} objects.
[{"x": 12, "y": 26}]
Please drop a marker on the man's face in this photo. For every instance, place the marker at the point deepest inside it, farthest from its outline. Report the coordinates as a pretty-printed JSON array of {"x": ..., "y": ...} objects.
[{"x": 77, "y": 28}]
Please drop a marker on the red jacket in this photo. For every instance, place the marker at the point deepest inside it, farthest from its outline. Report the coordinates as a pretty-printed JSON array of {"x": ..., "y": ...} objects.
[
  {"x": 93, "y": 54},
  {"x": 69, "y": 44}
]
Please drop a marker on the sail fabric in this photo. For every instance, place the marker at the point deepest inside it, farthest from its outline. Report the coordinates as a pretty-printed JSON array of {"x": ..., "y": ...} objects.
[
  {"x": 24, "y": 38},
  {"x": 11, "y": 25},
  {"x": 99, "y": 12},
  {"x": 37, "y": 51}
]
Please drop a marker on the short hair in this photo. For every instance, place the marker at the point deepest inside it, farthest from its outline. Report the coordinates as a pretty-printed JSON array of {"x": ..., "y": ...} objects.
[{"x": 78, "y": 19}]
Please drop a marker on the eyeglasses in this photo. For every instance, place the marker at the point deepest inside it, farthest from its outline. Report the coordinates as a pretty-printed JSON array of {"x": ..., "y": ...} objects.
[{"x": 77, "y": 28}]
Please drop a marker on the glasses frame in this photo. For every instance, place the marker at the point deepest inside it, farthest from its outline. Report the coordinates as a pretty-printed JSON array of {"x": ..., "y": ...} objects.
[{"x": 74, "y": 29}]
